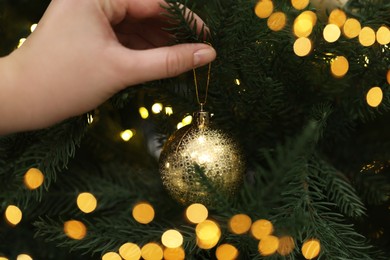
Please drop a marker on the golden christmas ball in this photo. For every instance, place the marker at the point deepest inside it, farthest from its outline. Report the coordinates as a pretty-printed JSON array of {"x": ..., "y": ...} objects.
[{"x": 200, "y": 161}]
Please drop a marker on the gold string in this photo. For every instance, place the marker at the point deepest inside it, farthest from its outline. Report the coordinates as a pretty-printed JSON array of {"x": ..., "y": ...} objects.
[{"x": 202, "y": 103}]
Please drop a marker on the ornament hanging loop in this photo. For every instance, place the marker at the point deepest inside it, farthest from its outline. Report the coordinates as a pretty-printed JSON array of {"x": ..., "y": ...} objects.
[{"x": 202, "y": 103}]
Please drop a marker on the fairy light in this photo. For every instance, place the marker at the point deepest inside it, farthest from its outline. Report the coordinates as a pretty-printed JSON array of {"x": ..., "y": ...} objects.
[
  {"x": 143, "y": 213},
  {"x": 302, "y": 46},
  {"x": 303, "y": 26},
  {"x": 174, "y": 253},
  {"x": 111, "y": 256},
  {"x": 86, "y": 202},
  {"x": 383, "y": 35},
  {"x": 264, "y": 8},
  {"x": 331, "y": 33},
  {"x": 13, "y": 215},
  {"x": 374, "y": 97},
  {"x": 144, "y": 113},
  {"x": 75, "y": 229},
  {"x": 33, "y": 178},
  {"x": 168, "y": 111},
  {"x": 197, "y": 213},
  {"x": 367, "y": 36},
  {"x": 311, "y": 248},
  {"x": 337, "y": 17},
  {"x": 172, "y": 238},
  {"x": 268, "y": 245},
  {"x": 339, "y": 66},
  {"x": 126, "y": 135},
  {"x": 226, "y": 252},
  {"x": 276, "y": 21},
  {"x": 208, "y": 234},
  {"x": 152, "y": 251},
  {"x": 299, "y": 4},
  {"x": 157, "y": 108},
  {"x": 240, "y": 224},
  {"x": 33, "y": 27},
  {"x": 24, "y": 257},
  {"x": 351, "y": 28},
  {"x": 261, "y": 228},
  {"x": 130, "y": 251}
]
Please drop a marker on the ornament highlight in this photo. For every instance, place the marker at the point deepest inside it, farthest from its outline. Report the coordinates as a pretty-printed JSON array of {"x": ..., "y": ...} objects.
[{"x": 199, "y": 160}]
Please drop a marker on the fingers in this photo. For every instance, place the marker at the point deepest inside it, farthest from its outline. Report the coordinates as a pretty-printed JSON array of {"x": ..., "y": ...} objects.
[{"x": 164, "y": 62}]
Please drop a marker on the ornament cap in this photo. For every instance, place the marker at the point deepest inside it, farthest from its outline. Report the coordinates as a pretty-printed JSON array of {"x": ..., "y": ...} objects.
[{"x": 202, "y": 119}]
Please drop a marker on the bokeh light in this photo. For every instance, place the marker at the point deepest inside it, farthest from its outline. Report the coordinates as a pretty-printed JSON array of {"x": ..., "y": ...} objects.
[
  {"x": 152, "y": 251},
  {"x": 174, "y": 253},
  {"x": 21, "y": 41},
  {"x": 33, "y": 27},
  {"x": 339, "y": 66},
  {"x": 299, "y": 4},
  {"x": 75, "y": 229},
  {"x": 24, "y": 257},
  {"x": 374, "y": 97},
  {"x": 367, "y": 36},
  {"x": 111, "y": 256},
  {"x": 172, "y": 238},
  {"x": 337, "y": 17},
  {"x": 187, "y": 120},
  {"x": 168, "y": 111},
  {"x": 351, "y": 28},
  {"x": 264, "y": 8},
  {"x": 331, "y": 32},
  {"x": 143, "y": 112},
  {"x": 237, "y": 82},
  {"x": 240, "y": 224},
  {"x": 261, "y": 228},
  {"x": 157, "y": 108},
  {"x": 197, "y": 213},
  {"x": 3, "y": 258},
  {"x": 268, "y": 245},
  {"x": 311, "y": 248},
  {"x": 303, "y": 26},
  {"x": 383, "y": 35},
  {"x": 208, "y": 234},
  {"x": 276, "y": 21},
  {"x": 86, "y": 202},
  {"x": 286, "y": 245},
  {"x": 130, "y": 251},
  {"x": 226, "y": 252},
  {"x": 179, "y": 125},
  {"x": 13, "y": 215},
  {"x": 126, "y": 135},
  {"x": 388, "y": 76},
  {"x": 302, "y": 46},
  {"x": 143, "y": 213},
  {"x": 33, "y": 178}
]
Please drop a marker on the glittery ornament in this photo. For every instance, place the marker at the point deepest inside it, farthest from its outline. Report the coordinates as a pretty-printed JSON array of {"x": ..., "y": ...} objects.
[{"x": 199, "y": 161}]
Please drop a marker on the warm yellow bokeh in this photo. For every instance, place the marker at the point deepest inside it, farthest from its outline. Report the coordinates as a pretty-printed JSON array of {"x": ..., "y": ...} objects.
[
  {"x": 152, "y": 251},
  {"x": 197, "y": 213},
  {"x": 126, "y": 135},
  {"x": 331, "y": 32},
  {"x": 311, "y": 248},
  {"x": 299, "y": 4},
  {"x": 172, "y": 238},
  {"x": 187, "y": 120},
  {"x": 75, "y": 229},
  {"x": 208, "y": 234},
  {"x": 226, "y": 252},
  {"x": 383, "y": 35},
  {"x": 388, "y": 76},
  {"x": 240, "y": 224},
  {"x": 302, "y": 46},
  {"x": 24, "y": 257},
  {"x": 3, "y": 258},
  {"x": 174, "y": 253},
  {"x": 111, "y": 256},
  {"x": 264, "y": 8},
  {"x": 276, "y": 21},
  {"x": 130, "y": 251},
  {"x": 143, "y": 213},
  {"x": 367, "y": 36},
  {"x": 268, "y": 245},
  {"x": 337, "y": 17},
  {"x": 143, "y": 112},
  {"x": 374, "y": 97},
  {"x": 13, "y": 215},
  {"x": 33, "y": 178},
  {"x": 168, "y": 111},
  {"x": 286, "y": 245},
  {"x": 351, "y": 28},
  {"x": 86, "y": 202},
  {"x": 303, "y": 26},
  {"x": 339, "y": 66},
  {"x": 261, "y": 228}
]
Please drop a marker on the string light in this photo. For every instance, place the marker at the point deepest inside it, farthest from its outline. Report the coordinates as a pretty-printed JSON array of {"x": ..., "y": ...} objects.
[
  {"x": 13, "y": 215},
  {"x": 302, "y": 46},
  {"x": 226, "y": 252},
  {"x": 299, "y": 4},
  {"x": 268, "y": 245},
  {"x": 157, "y": 108},
  {"x": 277, "y": 21},
  {"x": 172, "y": 238},
  {"x": 143, "y": 112},
  {"x": 374, "y": 97},
  {"x": 33, "y": 178},
  {"x": 3, "y": 258},
  {"x": 24, "y": 257},
  {"x": 174, "y": 253},
  {"x": 143, "y": 213},
  {"x": 179, "y": 125},
  {"x": 86, "y": 202},
  {"x": 111, "y": 256},
  {"x": 208, "y": 234},
  {"x": 152, "y": 251},
  {"x": 197, "y": 213},
  {"x": 367, "y": 36},
  {"x": 351, "y": 28},
  {"x": 240, "y": 224},
  {"x": 75, "y": 229},
  {"x": 311, "y": 248},
  {"x": 331, "y": 33},
  {"x": 339, "y": 66},
  {"x": 126, "y": 135},
  {"x": 264, "y": 8},
  {"x": 337, "y": 17},
  {"x": 383, "y": 35},
  {"x": 130, "y": 251},
  {"x": 261, "y": 228}
]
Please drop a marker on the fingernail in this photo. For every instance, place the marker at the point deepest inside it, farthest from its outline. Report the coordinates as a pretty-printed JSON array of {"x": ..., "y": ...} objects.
[{"x": 204, "y": 56}]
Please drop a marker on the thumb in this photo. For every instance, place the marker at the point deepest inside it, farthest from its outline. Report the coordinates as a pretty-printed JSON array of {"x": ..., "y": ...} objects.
[{"x": 164, "y": 62}]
